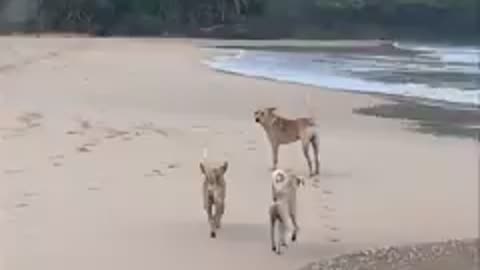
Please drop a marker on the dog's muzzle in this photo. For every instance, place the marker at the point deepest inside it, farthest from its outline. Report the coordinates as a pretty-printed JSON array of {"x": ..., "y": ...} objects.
[{"x": 257, "y": 120}]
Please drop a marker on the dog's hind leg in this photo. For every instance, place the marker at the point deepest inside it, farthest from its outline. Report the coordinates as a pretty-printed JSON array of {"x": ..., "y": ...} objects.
[
  {"x": 293, "y": 215},
  {"x": 305, "y": 147},
  {"x": 314, "y": 141},
  {"x": 285, "y": 232},
  {"x": 272, "y": 215},
  {"x": 295, "y": 227}
]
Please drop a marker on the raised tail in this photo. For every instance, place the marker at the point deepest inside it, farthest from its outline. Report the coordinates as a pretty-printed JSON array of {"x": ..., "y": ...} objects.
[{"x": 308, "y": 106}]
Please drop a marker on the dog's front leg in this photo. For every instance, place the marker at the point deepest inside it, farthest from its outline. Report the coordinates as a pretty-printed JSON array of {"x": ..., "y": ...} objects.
[
  {"x": 219, "y": 210},
  {"x": 307, "y": 157},
  {"x": 295, "y": 226},
  {"x": 293, "y": 215},
  {"x": 272, "y": 228},
  {"x": 211, "y": 221},
  {"x": 205, "y": 197},
  {"x": 275, "y": 147},
  {"x": 208, "y": 205}
]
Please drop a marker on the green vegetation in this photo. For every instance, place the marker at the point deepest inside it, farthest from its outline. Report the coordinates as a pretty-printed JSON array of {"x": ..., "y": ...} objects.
[{"x": 259, "y": 18}]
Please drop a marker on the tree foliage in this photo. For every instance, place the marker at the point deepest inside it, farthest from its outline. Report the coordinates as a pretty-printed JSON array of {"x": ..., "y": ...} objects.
[{"x": 270, "y": 16}]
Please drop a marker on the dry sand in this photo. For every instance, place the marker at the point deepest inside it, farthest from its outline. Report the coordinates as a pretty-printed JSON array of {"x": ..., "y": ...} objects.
[{"x": 100, "y": 141}]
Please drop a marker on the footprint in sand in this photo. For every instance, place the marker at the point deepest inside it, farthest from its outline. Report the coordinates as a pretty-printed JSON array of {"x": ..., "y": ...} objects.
[
  {"x": 327, "y": 192},
  {"x": 329, "y": 209},
  {"x": 155, "y": 172},
  {"x": 114, "y": 133},
  {"x": 323, "y": 216},
  {"x": 333, "y": 240},
  {"x": 331, "y": 228},
  {"x": 152, "y": 128},
  {"x": 173, "y": 166},
  {"x": 56, "y": 160},
  {"x": 13, "y": 171},
  {"x": 85, "y": 124},
  {"x": 74, "y": 132},
  {"x": 86, "y": 147},
  {"x": 251, "y": 145},
  {"x": 127, "y": 138},
  {"x": 160, "y": 131},
  {"x": 93, "y": 188},
  {"x": 83, "y": 149},
  {"x": 200, "y": 128},
  {"x": 29, "y": 194},
  {"x": 30, "y": 120},
  {"x": 21, "y": 205}
]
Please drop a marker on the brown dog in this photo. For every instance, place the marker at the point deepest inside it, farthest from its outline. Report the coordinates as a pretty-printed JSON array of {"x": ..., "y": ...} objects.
[
  {"x": 214, "y": 193},
  {"x": 281, "y": 130}
]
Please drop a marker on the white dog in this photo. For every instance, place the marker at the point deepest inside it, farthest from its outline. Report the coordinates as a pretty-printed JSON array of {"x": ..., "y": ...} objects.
[{"x": 282, "y": 212}]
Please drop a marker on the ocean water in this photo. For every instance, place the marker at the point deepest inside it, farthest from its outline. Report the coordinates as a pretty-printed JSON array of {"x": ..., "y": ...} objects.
[{"x": 435, "y": 72}]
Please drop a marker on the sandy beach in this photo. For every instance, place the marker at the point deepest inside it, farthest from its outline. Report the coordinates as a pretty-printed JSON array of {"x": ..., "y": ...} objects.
[{"x": 100, "y": 142}]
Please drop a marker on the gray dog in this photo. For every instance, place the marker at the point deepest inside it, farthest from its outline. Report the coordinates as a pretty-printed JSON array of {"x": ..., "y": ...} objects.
[
  {"x": 214, "y": 193},
  {"x": 281, "y": 130}
]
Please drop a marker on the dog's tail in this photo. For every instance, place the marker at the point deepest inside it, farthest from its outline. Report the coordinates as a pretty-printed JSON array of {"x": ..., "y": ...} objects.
[
  {"x": 205, "y": 153},
  {"x": 308, "y": 106}
]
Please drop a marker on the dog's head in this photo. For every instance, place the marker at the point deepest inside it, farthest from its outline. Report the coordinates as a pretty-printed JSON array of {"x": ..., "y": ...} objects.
[
  {"x": 299, "y": 180},
  {"x": 214, "y": 174},
  {"x": 262, "y": 116},
  {"x": 279, "y": 179}
]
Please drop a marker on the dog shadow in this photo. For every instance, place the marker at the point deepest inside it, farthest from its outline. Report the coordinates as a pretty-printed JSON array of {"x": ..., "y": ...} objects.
[
  {"x": 258, "y": 234},
  {"x": 328, "y": 174},
  {"x": 243, "y": 232}
]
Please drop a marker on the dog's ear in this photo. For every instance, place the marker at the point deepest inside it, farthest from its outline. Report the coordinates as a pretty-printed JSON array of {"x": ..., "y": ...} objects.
[
  {"x": 202, "y": 167},
  {"x": 278, "y": 176},
  {"x": 300, "y": 181},
  {"x": 224, "y": 167},
  {"x": 271, "y": 109}
]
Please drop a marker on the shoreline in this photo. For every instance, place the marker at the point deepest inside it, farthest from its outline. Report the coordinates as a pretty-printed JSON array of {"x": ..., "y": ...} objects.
[
  {"x": 427, "y": 124},
  {"x": 399, "y": 107}
]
